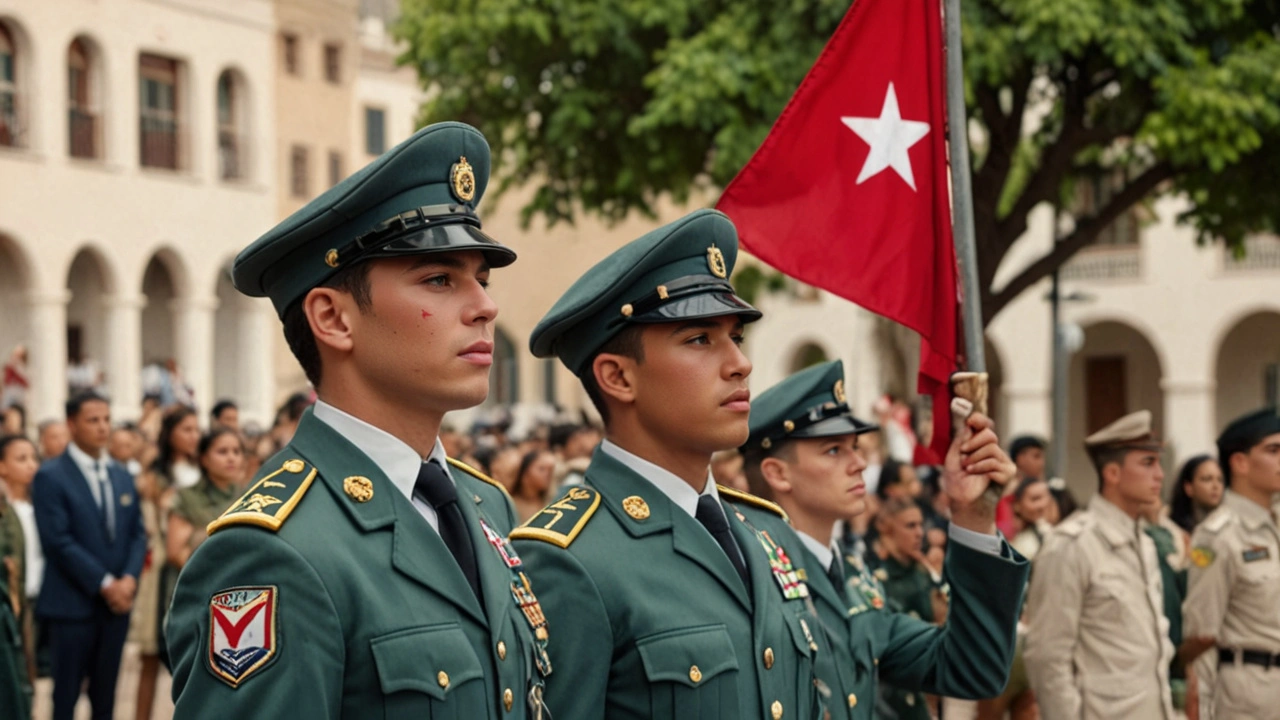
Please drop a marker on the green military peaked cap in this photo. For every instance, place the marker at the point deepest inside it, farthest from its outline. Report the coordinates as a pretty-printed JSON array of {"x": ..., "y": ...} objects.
[
  {"x": 1247, "y": 431},
  {"x": 417, "y": 198},
  {"x": 808, "y": 404},
  {"x": 678, "y": 272}
]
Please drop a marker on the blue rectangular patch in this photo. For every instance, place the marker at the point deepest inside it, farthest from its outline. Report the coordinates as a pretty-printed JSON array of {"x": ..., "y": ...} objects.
[{"x": 1255, "y": 554}]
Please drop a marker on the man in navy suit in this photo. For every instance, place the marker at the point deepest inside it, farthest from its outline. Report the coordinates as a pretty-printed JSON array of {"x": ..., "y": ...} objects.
[{"x": 91, "y": 530}]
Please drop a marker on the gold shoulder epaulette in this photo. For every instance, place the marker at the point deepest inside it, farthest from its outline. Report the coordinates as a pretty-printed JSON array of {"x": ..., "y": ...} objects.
[
  {"x": 478, "y": 475},
  {"x": 737, "y": 495},
  {"x": 270, "y": 500},
  {"x": 561, "y": 521}
]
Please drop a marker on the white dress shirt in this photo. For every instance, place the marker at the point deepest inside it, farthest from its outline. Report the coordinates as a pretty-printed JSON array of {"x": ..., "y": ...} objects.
[
  {"x": 34, "y": 555},
  {"x": 679, "y": 491},
  {"x": 94, "y": 471},
  {"x": 399, "y": 462}
]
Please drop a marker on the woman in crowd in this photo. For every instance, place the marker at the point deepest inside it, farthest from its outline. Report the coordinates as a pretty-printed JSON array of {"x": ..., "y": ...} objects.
[
  {"x": 1196, "y": 493},
  {"x": 17, "y": 661},
  {"x": 533, "y": 482},
  {"x": 1032, "y": 503},
  {"x": 221, "y": 457},
  {"x": 173, "y": 469},
  {"x": 18, "y": 465}
]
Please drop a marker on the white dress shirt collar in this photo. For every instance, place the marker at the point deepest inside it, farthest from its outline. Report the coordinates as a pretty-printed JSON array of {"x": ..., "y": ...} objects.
[
  {"x": 399, "y": 462},
  {"x": 88, "y": 464},
  {"x": 824, "y": 553},
  {"x": 679, "y": 491}
]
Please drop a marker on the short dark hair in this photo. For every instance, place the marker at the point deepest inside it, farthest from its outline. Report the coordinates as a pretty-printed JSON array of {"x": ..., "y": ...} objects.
[
  {"x": 629, "y": 344},
  {"x": 754, "y": 457},
  {"x": 1181, "y": 507},
  {"x": 352, "y": 280},
  {"x": 80, "y": 399},
  {"x": 222, "y": 406},
  {"x": 1105, "y": 456},
  {"x": 7, "y": 440},
  {"x": 1023, "y": 443}
]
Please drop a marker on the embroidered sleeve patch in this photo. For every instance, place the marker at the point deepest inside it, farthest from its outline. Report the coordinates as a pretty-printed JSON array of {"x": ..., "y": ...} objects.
[
  {"x": 242, "y": 632},
  {"x": 561, "y": 521},
  {"x": 1202, "y": 557},
  {"x": 1257, "y": 553}
]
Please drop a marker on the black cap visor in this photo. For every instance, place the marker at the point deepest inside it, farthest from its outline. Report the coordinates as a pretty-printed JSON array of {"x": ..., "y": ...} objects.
[
  {"x": 832, "y": 427},
  {"x": 714, "y": 303},
  {"x": 453, "y": 237}
]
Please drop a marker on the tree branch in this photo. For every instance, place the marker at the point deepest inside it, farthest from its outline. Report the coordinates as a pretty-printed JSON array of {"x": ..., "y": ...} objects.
[{"x": 1085, "y": 233}]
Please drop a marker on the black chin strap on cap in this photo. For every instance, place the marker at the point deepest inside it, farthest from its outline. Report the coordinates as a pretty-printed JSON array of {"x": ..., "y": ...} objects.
[{"x": 408, "y": 223}]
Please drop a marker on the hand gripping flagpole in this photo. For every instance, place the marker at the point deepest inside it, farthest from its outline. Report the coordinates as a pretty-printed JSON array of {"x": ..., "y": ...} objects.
[
  {"x": 969, "y": 388},
  {"x": 962, "y": 194}
]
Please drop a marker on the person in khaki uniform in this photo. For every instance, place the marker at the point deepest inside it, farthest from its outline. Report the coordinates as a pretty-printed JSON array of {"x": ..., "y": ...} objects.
[
  {"x": 1234, "y": 585},
  {"x": 1098, "y": 645}
]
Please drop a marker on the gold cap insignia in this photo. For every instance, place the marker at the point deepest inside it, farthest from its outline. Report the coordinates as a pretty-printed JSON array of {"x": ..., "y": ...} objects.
[
  {"x": 766, "y": 443},
  {"x": 294, "y": 466},
  {"x": 358, "y": 488},
  {"x": 462, "y": 180},
  {"x": 331, "y": 258},
  {"x": 838, "y": 391},
  {"x": 636, "y": 507},
  {"x": 715, "y": 261}
]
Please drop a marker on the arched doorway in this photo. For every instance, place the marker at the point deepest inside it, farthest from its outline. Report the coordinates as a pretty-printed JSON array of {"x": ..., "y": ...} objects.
[
  {"x": 15, "y": 273},
  {"x": 504, "y": 376},
  {"x": 88, "y": 282},
  {"x": 807, "y": 355},
  {"x": 160, "y": 283},
  {"x": 1248, "y": 367},
  {"x": 1116, "y": 372}
]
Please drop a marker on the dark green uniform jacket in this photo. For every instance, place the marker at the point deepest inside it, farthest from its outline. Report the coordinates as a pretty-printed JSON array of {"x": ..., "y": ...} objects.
[
  {"x": 13, "y": 665},
  {"x": 352, "y": 607},
  {"x": 648, "y": 617},
  {"x": 864, "y": 641}
]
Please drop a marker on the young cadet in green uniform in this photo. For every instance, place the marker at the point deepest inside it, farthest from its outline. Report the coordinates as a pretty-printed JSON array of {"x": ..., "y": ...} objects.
[
  {"x": 667, "y": 596},
  {"x": 364, "y": 574},
  {"x": 803, "y": 452}
]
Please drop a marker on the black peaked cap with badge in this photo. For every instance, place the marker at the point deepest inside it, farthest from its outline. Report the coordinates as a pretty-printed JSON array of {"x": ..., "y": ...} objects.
[
  {"x": 1247, "y": 431},
  {"x": 679, "y": 271},
  {"x": 419, "y": 197},
  {"x": 808, "y": 404}
]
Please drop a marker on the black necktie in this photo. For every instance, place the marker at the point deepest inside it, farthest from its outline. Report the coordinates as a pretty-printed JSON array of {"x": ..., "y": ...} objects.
[
  {"x": 836, "y": 572},
  {"x": 712, "y": 517},
  {"x": 435, "y": 486}
]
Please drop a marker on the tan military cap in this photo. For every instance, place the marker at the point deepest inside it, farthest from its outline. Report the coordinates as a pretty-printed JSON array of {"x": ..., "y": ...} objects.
[{"x": 1131, "y": 431}]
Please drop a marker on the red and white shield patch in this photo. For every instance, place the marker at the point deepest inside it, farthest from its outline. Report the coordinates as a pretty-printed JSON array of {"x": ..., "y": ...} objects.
[{"x": 242, "y": 632}]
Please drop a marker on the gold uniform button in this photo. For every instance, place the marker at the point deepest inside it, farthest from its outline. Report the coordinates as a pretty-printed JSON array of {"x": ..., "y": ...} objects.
[
  {"x": 442, "y": 677},
  {"x": 776, "y": 709},
  {"x": 502, "y": 650},
  {"x": 695, "y": 674},
  {"x": 508, "y": 699},
  {"x": 853, "y": 700},
  {"x": 768, "y": 658}
]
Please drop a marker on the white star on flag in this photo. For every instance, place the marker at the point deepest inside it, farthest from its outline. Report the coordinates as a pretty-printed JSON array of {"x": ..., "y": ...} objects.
[{"x": 890, "y": 137}]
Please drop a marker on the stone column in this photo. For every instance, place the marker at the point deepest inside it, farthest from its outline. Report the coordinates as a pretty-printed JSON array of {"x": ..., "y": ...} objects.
[
  {"x": 193, "y": 346},
  {"x": 1188, "y": 418},
  {"x": 47, "y": 367},
  {"x": 255, "y": 361},
  {"x": 124, "y": 354}
]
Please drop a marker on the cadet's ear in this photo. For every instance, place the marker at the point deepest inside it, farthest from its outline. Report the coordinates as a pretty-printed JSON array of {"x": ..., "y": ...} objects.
[
  {"x": 615, "y": 377},
  {"x": 1239, "y": 462},
  {"x": 778, "y": 476},
  {"x": 329, "y": 313}
]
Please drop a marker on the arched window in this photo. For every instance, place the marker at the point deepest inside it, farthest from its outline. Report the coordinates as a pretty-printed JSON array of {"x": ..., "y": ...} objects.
[
  {"x": 83, "y": 120},
  {"x": 807, "y": 355},
  {"x": 11, "y": 122},
  {"x": 232, "y": 120}
]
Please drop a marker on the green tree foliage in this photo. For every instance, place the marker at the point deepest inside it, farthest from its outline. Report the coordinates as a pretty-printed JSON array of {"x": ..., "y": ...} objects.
[{"x": 606, "y": 105}]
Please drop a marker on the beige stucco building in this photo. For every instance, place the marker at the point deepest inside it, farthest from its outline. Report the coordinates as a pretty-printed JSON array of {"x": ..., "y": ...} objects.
[{"x": 135, "y": 157}]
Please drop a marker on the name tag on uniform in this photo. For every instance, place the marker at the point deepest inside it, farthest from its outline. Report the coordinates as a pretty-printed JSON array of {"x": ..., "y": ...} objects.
[{"x": 1255, "y": 554}]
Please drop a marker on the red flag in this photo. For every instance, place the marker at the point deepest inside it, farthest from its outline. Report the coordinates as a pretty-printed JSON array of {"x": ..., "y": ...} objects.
[{"x": 849, "y": 191}]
